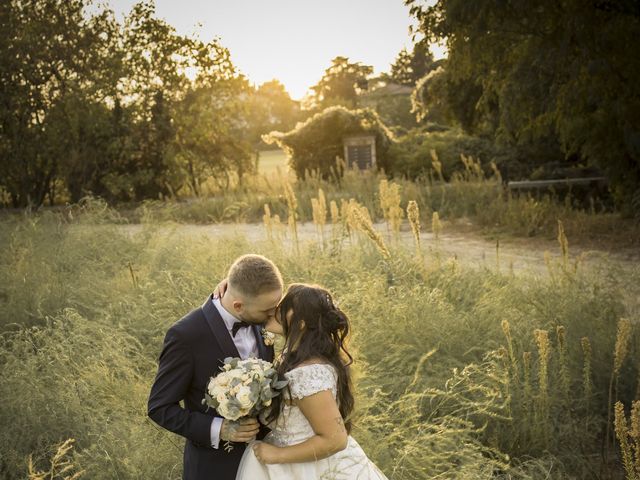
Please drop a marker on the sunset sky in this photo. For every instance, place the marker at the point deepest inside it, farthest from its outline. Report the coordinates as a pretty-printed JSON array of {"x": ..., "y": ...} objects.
[{"x": 293, "y": 40}]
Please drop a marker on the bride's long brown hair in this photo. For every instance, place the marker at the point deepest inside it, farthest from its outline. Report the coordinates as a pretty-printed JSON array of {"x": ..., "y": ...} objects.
[{"x": 318, "y": 329}]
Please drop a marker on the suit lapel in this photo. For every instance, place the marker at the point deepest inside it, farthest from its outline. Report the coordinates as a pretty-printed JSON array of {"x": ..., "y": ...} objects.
[
  {"x": 262, "y": 348},
  {"x": 219, "y": 329}
]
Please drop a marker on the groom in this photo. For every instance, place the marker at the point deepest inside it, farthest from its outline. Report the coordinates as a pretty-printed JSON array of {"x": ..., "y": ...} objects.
[{"x": 194, "y": 349}]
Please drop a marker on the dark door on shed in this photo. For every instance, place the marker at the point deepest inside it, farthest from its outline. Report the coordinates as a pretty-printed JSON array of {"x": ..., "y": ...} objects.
[{"x": 359, "y": 155}]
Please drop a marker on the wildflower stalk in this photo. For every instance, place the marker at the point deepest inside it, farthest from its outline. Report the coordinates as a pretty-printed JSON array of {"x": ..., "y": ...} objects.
[
  {"x": 564, "y": 367},
  {"x": 635, "y": 433},
  {"x": 413, "y": 214},
  {"x": 564, "y": 245},
  {"x": 624, "y": 434},
  {"x": 319, "y": 213},
  {"x": 544, "y": 350},
  {"x": 266, "y": 220},
  {"x": 436, "y": 227},
  {"x": 362, "y": 220},
  {"x": 345, "y": 214},
  {"x": 621, "y": 349},
  {"x": 390, "y": 205},
  {"x": 506, "y": 328},
  {"x": 436, "y": 164},
  {"x": 292, "y": 204},
  {"x": 322, "y": 212},
  {"x": 335, "y": 219},
  {"x": 60, "y": 465},
  {"x": 586, "y": 374},
  {"x": 528, "y": 395}
]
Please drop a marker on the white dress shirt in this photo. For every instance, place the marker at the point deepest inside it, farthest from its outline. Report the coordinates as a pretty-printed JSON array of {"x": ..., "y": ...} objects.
[{"x": 247, "y": 345}]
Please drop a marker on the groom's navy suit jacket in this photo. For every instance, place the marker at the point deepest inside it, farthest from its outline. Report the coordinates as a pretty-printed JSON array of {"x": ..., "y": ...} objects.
[{"x": 193, "y": 351}]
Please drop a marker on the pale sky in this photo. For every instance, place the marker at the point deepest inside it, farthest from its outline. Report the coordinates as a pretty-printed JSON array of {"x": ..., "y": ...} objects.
[{"x": 293, "y": 40}]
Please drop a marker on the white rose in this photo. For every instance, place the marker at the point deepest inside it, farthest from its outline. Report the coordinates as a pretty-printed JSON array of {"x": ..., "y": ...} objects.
[
  {"x": 211, "y": 388},
  {"x": 244, "y": 397},
  {"x": 223, "y": 379},
  {"x": 223, "y": 408}
]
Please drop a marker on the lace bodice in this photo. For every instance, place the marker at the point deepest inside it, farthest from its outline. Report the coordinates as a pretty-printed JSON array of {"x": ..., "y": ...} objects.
[
  {"x": 292, "y": 426},
  {"x": 309, "y": 379}
]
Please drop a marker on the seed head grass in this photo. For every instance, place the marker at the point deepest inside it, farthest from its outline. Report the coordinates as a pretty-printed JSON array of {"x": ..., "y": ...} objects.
[
  {"x": 413, "y": 214},
  {"x": 629, "y": 446},
  {"x": 82, "y": 334},
  {"x": 390, "y": 205}
]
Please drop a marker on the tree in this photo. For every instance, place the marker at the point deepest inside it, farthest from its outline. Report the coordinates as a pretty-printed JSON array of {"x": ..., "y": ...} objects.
[
  {"x": 282, "y": 111},
  {"x": 551, "y": 72},
  {"x": 401, "y": 71},
  {"x": 341, "y": 83},
  {"x": 408, "y": 68},
  {"x": 91, "y": 105},
  {"x": 45, "y": 53},
  {"x": 211, "y": 133},
  {"x": 270, "y": 108}
]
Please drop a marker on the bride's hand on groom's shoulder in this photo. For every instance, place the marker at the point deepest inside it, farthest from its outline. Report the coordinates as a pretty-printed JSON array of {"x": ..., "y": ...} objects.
[
  {"x": 266, "y": 453},
  {"x": 220, "y": 289}
]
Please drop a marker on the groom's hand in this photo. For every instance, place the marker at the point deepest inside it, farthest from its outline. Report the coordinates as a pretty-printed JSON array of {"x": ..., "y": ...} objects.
[{"x": 244, "y": 430}]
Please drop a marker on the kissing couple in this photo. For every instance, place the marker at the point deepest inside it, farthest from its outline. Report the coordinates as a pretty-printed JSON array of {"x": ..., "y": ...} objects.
[{"x": 306, "y": 435}]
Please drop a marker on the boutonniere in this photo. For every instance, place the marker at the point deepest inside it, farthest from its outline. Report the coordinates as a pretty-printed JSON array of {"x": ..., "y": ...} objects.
[{"x": 268, "y": 338}]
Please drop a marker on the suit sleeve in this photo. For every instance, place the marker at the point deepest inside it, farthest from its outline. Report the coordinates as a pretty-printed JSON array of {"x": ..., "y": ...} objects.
[{"x": 175, "y": 371}]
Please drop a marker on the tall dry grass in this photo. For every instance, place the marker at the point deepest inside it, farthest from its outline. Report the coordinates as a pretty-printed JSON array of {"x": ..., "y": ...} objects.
[
  {"x": 470, "y": 193},
  {"x": 460, "y": 373}
]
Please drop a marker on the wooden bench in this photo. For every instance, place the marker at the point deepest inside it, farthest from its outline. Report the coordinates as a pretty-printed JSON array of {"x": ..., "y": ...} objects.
[{"x": 563, "y": 183}]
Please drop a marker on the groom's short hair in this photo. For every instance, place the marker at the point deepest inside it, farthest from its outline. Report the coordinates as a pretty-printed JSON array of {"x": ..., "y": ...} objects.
[{"x": 253, "y": 275}]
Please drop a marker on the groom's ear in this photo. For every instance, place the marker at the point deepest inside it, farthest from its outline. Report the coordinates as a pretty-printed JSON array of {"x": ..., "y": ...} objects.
[{"x": 237, "y": 306}]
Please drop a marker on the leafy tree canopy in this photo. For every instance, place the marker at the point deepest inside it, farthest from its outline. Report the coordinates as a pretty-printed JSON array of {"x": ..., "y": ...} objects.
[
  {"x": 95, "y": 106},
  {"x": 543, "y": 70},
  {"x": 409, "y": 67},
  {"x": 271, "y": 108},
  {"x": 340, "y": 84}
]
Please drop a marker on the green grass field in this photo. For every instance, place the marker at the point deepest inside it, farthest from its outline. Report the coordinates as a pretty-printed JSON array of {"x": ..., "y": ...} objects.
[{"x": 271, "y": 160}]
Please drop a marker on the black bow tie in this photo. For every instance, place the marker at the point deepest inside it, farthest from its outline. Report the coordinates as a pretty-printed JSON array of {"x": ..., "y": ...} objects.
[{"x": 237, "y": 326}]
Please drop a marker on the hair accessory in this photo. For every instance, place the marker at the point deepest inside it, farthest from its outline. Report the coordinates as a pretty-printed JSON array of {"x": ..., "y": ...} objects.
[{"x": 331, "y": 302}]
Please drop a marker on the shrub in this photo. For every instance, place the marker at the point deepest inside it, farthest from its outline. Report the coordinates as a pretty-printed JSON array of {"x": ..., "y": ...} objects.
[
  {"x": 315, "y": 144},
  {"x": 411, "y": 154}
]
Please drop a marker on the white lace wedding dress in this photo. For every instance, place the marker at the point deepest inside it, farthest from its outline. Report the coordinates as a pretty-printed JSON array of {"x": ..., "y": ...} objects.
[{"x": 292, "y": 428}]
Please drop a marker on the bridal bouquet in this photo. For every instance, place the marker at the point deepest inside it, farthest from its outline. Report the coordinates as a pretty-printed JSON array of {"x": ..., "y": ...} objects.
[{"x": 243, "y": 388}]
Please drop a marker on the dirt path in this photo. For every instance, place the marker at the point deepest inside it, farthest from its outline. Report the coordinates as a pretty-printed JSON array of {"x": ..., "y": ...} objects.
[{"x": 468, "y": 246}]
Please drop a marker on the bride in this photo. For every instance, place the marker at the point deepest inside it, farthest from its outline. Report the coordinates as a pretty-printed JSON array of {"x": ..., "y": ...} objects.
[{"x": 310, "y": 422}]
